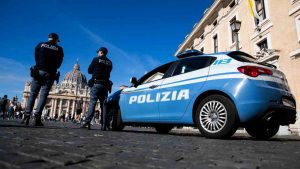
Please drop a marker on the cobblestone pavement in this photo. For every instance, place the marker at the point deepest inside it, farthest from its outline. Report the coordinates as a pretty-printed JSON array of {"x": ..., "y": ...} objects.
[{"x": 64, "y": 145}]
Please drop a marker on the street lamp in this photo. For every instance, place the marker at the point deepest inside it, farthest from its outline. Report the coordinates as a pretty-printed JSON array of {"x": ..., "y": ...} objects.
[{"x": 235, "y": 26}]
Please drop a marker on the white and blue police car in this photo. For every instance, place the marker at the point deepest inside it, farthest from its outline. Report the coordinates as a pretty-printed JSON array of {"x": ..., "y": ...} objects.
[{"x": 217, "y": 93}]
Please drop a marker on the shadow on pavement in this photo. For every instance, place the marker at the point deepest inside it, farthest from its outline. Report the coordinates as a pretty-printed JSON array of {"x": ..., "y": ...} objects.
[
  {"x": 145, "y": 130},
  {"x": 234, "y": 137}
]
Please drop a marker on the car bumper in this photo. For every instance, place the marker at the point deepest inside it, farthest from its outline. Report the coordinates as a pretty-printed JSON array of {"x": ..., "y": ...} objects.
[{"x": 254, "y": 100}]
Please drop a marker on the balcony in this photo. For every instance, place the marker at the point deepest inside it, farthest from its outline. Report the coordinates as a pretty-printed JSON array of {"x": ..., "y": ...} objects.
[{"x": 267, "y": 55}]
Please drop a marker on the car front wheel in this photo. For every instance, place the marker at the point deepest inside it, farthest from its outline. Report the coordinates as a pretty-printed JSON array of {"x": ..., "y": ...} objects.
[{"x": 216, "y": 117}]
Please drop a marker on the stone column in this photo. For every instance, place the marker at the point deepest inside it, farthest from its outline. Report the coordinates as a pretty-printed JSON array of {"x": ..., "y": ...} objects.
[
  {"x": 52, "y": 107},
  {"x": 84, "y": 107},
  {"x": 73, "y": 108},
  {"x": 25, "y": 102},
  {"x": 55, "y": 105},
  {"x": 60, "y": 107},
  {"x": 68, "y": 107}
]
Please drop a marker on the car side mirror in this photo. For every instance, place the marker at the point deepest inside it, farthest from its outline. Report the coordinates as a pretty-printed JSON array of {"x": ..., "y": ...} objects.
[{"x": 134, "y": 81}]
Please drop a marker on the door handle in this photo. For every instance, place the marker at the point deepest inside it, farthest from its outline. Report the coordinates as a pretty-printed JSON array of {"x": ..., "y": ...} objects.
[{"x": 153, "y": 86}]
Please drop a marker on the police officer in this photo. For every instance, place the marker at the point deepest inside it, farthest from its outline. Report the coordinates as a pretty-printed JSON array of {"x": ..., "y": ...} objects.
[
  {"x": 100, "y": 69},
  {"x": 48, "y": 58}
]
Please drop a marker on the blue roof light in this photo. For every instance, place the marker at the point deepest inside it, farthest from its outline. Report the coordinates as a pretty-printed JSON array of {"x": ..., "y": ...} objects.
[{"x": 189, "y": 53}]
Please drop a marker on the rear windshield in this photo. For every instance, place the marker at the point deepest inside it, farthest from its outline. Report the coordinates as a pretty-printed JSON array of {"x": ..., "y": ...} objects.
[{"x": 244, "y": 57}]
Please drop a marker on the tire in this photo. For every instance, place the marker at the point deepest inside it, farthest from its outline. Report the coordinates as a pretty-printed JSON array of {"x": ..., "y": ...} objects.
[
  {"x": 163, "y": 129},
  {"x": 262, "y": 131},
  {"x": 216, "y": 117},
  {"x": 116, "y": 123}
]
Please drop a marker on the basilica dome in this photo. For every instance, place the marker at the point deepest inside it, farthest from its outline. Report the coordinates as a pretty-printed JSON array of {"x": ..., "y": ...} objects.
[{"x": 74, "y": 78}]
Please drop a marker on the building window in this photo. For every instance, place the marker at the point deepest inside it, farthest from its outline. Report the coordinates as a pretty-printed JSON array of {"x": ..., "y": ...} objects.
[
  {"x": 233, "y": 34},
  {"x": 261, "y": 11},
  {"x": 232, "y": 4},
  {"x": 215, "y": 43},
  {"x": 202, "y": 49},
  {"x": 215, "y": 23},
  {"x": 202, "y": 37},
  {"x": 263, "y": 44},
  {"x": 297, "y": 20}
]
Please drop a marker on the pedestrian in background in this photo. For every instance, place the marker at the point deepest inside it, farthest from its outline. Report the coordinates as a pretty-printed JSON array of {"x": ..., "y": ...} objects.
[
  {"x": 95, "y": 119},
  {"x": 100, "y": 84},
  {"x": 79, "y": 105},
  {"x": 11, "y": 110},
  {"x": 4, "y": 106},
  {"x": 48, "y": 58}
]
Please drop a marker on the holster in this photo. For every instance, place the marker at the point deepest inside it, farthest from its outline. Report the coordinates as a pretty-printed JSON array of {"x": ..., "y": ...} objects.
[
  {"x": 91, "y": 82},
  {"x": 34, "y": 72}
]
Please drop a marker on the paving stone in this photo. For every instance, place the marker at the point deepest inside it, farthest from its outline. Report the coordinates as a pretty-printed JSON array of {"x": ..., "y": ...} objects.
[{"x": 64, "y": 145}]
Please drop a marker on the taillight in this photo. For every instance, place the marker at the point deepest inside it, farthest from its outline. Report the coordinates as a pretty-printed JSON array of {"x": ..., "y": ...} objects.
[{"x": 254, "y": 71}]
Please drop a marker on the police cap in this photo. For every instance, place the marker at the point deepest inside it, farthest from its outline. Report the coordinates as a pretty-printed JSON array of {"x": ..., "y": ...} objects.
[
  {"x": 103, "y": 49},
  {"x": 53, "y": 36}
]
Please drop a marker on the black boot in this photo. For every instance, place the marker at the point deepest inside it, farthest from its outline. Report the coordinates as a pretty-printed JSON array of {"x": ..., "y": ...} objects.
[
  {"x": 38, "y": 121},
  {"x": 26, "y": 119},
  {"x": 86, "y": 125}
]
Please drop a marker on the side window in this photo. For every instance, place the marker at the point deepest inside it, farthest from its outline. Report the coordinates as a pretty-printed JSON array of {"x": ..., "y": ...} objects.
[
  {"x": 156, "y": 74},
  {"x": 191, "y": 64}
]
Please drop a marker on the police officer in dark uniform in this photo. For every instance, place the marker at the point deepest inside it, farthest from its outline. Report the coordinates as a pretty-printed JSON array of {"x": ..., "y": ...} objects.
[
  {"x": 48, "y": 58},
  {"x": 100, "y": 84}
]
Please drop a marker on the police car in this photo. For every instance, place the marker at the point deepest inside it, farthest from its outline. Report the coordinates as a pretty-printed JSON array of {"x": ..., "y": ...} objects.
[{"x": 217, "y": 93}]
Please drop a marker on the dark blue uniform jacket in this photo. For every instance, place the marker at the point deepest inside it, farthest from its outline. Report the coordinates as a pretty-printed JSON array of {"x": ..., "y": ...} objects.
[
  {"x": 48, "y": 57},
  {"x": 100, "y": 68}
]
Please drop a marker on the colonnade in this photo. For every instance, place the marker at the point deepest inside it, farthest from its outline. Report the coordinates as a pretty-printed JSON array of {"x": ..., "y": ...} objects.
[{"x": 58, "y": 105}]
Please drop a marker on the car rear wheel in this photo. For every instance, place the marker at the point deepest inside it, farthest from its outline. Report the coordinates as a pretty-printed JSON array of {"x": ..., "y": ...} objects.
[
  {"x": 163, "y": 129},
  {"x": 116, "y": 123},
  {"x": 262, "y": 131},
  {"x": 216, "y": 117}
]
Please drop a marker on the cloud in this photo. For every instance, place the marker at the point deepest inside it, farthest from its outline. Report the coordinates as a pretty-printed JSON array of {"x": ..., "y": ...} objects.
[
  {"x": 12, "y": 78},
  {"x": 125, "y": 65},
  {"x": 12, "y": 71},
  {"x": 152, "y": 62}
]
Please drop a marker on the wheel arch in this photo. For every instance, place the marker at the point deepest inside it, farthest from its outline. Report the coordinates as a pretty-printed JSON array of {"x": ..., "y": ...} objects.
[{"x": 206, "y": 94}]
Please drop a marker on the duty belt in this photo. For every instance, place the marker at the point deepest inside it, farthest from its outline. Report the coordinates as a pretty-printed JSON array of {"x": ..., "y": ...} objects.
[{"x": 103, "y": 82}]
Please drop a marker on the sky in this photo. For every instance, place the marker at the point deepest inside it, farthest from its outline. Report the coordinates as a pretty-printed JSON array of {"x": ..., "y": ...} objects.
[{"x": 139, "y": 34}]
